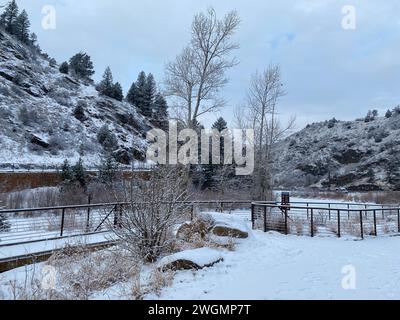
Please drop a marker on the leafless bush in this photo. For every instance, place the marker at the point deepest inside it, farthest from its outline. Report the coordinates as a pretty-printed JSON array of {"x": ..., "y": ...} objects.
[
  {"x": 82, "y": 273},
  {"x": 155, "y": 206}
]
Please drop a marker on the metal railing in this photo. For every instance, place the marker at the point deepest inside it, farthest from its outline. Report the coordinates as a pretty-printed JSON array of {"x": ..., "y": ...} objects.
[
  {"x": 326, "y": 219},
  {"x": 31, "y": 225}
]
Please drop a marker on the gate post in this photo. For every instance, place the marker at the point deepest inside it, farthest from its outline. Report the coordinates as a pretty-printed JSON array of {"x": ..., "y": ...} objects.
[
  {"x": 286, "y": 221},
  {"x": 253, "y": 222},
  {"x": 312, "y": 222},
  {"x": 361, "y": 225},
  {"x": 265, "y": 219},
  {"x": 398, "y": 219}
]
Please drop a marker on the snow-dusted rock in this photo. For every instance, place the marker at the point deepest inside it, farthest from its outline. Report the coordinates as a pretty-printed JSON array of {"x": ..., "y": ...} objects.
[
  {"x": 191, "y": 259},
  {"x": 225, "y": 230}
]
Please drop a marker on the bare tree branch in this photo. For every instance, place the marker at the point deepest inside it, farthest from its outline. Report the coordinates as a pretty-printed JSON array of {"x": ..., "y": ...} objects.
[{"x": 197, "y": 75}]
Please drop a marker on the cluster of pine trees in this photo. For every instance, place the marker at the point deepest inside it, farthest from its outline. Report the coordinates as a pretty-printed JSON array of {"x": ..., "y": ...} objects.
[
  {"x": 17, "y": 23},
  {"x": 144, "y": 96}
]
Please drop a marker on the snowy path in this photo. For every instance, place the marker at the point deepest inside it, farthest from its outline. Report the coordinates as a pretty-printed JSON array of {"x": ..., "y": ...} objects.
[{"x": 272, "y": 266}]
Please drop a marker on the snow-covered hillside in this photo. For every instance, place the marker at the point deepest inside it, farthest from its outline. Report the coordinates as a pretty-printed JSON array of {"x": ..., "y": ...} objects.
[
  {"x": 357, "y": 154},
  {"x": 37, "y": 124}
]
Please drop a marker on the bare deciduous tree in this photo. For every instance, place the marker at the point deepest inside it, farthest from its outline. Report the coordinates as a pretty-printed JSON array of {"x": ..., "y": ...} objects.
[
  {"x": 155, "y": 206},
  {"x": 260, "y": 114},
  {"x": 198, "y": 74}
]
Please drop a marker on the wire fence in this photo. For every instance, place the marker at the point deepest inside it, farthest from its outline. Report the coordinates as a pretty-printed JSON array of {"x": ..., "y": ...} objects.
[
  {"x": 326, "y": 219},
  {"x": 21, "y": 226}
]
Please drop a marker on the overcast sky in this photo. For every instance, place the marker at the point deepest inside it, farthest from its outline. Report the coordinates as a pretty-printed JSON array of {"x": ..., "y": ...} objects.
[{"x": 328, "y": 71}]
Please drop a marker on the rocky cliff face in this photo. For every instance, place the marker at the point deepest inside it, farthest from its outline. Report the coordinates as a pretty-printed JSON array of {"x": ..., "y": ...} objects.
[
  {"x": 356, "y": 155},
  {"x": 38, "y": 126}
]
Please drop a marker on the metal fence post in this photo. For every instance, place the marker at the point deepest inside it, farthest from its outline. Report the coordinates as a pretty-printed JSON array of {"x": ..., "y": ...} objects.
[
  {"x": 265, "y": 219},
  {"x": 329, "y": 206},
  {"x": 312, "y": 222},
  {"x": 361, "y": 225},
  {"x": 398, "y": 220},
  {"x": 339, "y": 231},
  {"x": 115, "y": 215},
  {"x": 88, "y": 215},
  {"x": 375, "y": 228},
  {"x": 286, "y": 221},
  {"x": 253, "y": 222},
  {"x": 62, "y": 222}
]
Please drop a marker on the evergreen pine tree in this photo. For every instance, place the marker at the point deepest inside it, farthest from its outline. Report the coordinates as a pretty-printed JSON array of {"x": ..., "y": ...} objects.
[
  {"x": 141, "y": 102},
  {"x": 22, "y": 25},
  {"x": 9, "y": 17},
  {"x": 118, "y": 93},
  {"x": 79, "y": 174},
  {"x": 64, "y": 68},
  {"x": 132, "y": 95},
  {"x": 66, "y": 173},
  {"x": 149, "y": 94},
  {"x": 211, "y": 171},
  {"x": 81, "y": 66},
  {"x": 106, "y": 86},
  {"x": 108, "y": 169},
  {"x": 160, "y": 112}
]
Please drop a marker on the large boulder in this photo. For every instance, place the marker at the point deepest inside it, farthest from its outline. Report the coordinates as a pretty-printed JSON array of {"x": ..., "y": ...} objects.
[
  {"x": 191, "y": 259},
  {"x": 224, "y": 230}
]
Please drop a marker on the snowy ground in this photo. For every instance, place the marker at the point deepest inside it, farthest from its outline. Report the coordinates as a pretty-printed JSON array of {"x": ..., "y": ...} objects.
[{"x": 274, "y": 266}]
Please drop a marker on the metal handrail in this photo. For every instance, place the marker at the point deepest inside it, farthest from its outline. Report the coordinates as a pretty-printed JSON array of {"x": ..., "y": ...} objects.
[{"x": 274, "y": 205}]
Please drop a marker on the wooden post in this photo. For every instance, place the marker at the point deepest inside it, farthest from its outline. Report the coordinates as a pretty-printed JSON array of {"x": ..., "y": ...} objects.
[
  {"x": 308, "y": 212},
  {"x": 338, "y": 216},
  {"x": 375, "y": 228},
  {"x": 192, "y": 213},
  {"x": 348, "y": 211},
  {"x": 312, "y": 222},
  {"x": 62, "y": 222},
  {"x": 361, "y": 225}
]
